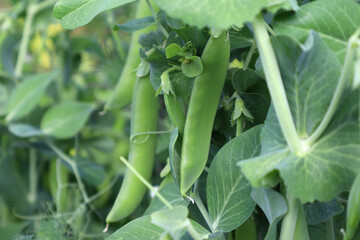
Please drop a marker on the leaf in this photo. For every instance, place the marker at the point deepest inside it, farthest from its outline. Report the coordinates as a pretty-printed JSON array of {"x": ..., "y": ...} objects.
[
  {"x": 76, "y": 13},
  {"x": 273, "y": 205},
  {"x": 4, "y": 98},
  {"x": 353, "y": 209},
  {"x": 192, "y": 66},
  {"x": 130, "y": 231},
  {"x": 173, "y": 221},
  {"x": 172, "y": 194},
  {"x": 172, "y": 50},
  {"x": 228, "y": 191},
  {"x": 65, "y": 119},
  {"x": 24, "y": 130},
  {"x": 217, "y": 14},
  {"x": 330, "y": 164},
  {"x": 91, "y": 172},
  {"x": 244, "y": 79},
  {"x": 135, "y": 24},
  {"x": 310, "y": 74},
  {"x": 174, "y": 155},
  {"x": 334, "y": 20},
  {"x": 240, "y": 39},
  {"x": 319, "y": 212},
  {"x": 27, "y": 94}
]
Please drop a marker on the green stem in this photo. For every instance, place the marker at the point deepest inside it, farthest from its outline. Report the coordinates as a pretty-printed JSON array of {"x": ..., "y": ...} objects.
[
  {"x": 116, "y": 37},
  {"x": 30, "y": 13},
  {"x": 289, "y": 221},
  {"x": 146, "y": 183},
  {"x": 158, "y": 23},
  {"x": 275, "y": 84},
  {"x": 193, "y": 232},
  {"x": 32, "y": 10},
  {"x": 202, "y": 209},
  {"x": 249, "y": 56},
  {"x": 338, "y": 91},
  {"x": 239, "y": 127},
  {"x": 32, "y": 177},
  {"x": 74, "y": 168},
  {"x": 330, "y": 234}
]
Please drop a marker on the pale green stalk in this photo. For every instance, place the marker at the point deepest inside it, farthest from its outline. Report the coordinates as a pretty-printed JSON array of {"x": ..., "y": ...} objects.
[{"x": 275, "y": 85}]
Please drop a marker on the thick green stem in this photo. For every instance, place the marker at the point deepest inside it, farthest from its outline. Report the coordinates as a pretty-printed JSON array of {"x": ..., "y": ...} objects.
[
  {"x": 32, "y": 177},
  {"x": 275, "y": 85},
  {"x": 338, "y": 91},
  {"x": 330, "y": 234},
  {"x": 239, "y": 126},
  {"x": 289, "y": 221},
  {"x": 294, "y": 224}
]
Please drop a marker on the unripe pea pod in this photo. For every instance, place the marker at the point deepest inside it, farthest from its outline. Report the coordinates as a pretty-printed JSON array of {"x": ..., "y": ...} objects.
[
  {"x": 200, "y": 118},
  {"x": 144, "y": 118},
  {"x": 124, "y": 88},
  {"x": 353, "y": 209}
]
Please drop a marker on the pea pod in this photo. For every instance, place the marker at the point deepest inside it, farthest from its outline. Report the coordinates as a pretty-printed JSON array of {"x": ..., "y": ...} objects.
[
  {"x": 175, "y": 112},
  {"x": 60, "y": 196},
  {"x": 144, "y": 118},
  {"x": 125, "y": 85},
  {"x": 204, "y": 101},
  {"x": 353, "y": 210}
]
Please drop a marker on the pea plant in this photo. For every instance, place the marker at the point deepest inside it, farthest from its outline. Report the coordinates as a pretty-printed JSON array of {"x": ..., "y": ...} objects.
[{"x": 229, "y": 120}]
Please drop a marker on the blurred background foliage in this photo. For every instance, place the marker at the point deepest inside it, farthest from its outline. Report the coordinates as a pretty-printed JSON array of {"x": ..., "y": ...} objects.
[{"x": 39, "y": 194}]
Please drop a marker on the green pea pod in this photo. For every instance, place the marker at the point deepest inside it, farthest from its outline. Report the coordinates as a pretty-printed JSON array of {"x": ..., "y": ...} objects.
[
  {"x": 353, "y": 209},
  {"x": 204, "y": 101},
  {"x": 60, "y": 199},
  {"x": 124, "y": 88},
  {"x": 175, "y": 112},
  {"x": 247, "y": 230},
  {"x": 144, "y": 118}
]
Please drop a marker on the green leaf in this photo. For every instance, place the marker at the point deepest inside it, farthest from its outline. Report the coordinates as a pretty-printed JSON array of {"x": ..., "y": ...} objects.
[
  {"x": 24, "y": 130},
  {"x": 92, "y": 173},
  {"x": 172, "y": 194},
  {"x": 4, "y": 98},
  {"x": 135, "y": 24},
  {"x": 130, "y": 231},
  {"x": 310, "y": 73},
  {"x": 65, "y": 119},
  {"x": 172, "y": 50},
  {"x": 273, "y": 205},
  {"x": 227, "y": 189},
  {"x": 217, "y": 14},
  {"x": 334, "y": 20},
  {"x": 173, "y": 221},
  {"x": 240, "y": 39},
  {"x": 174, "y": 155},
  {"x": 76, "y": 13},
  {"x": 192, "y": 66},
  {"x": 245, "y": 79},
  {"x": 319, "y": 212},
  {"x": 27, "y": 94}
]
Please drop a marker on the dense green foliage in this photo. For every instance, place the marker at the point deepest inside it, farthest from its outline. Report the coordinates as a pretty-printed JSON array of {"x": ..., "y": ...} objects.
[{"x": 240, "y": 119}]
